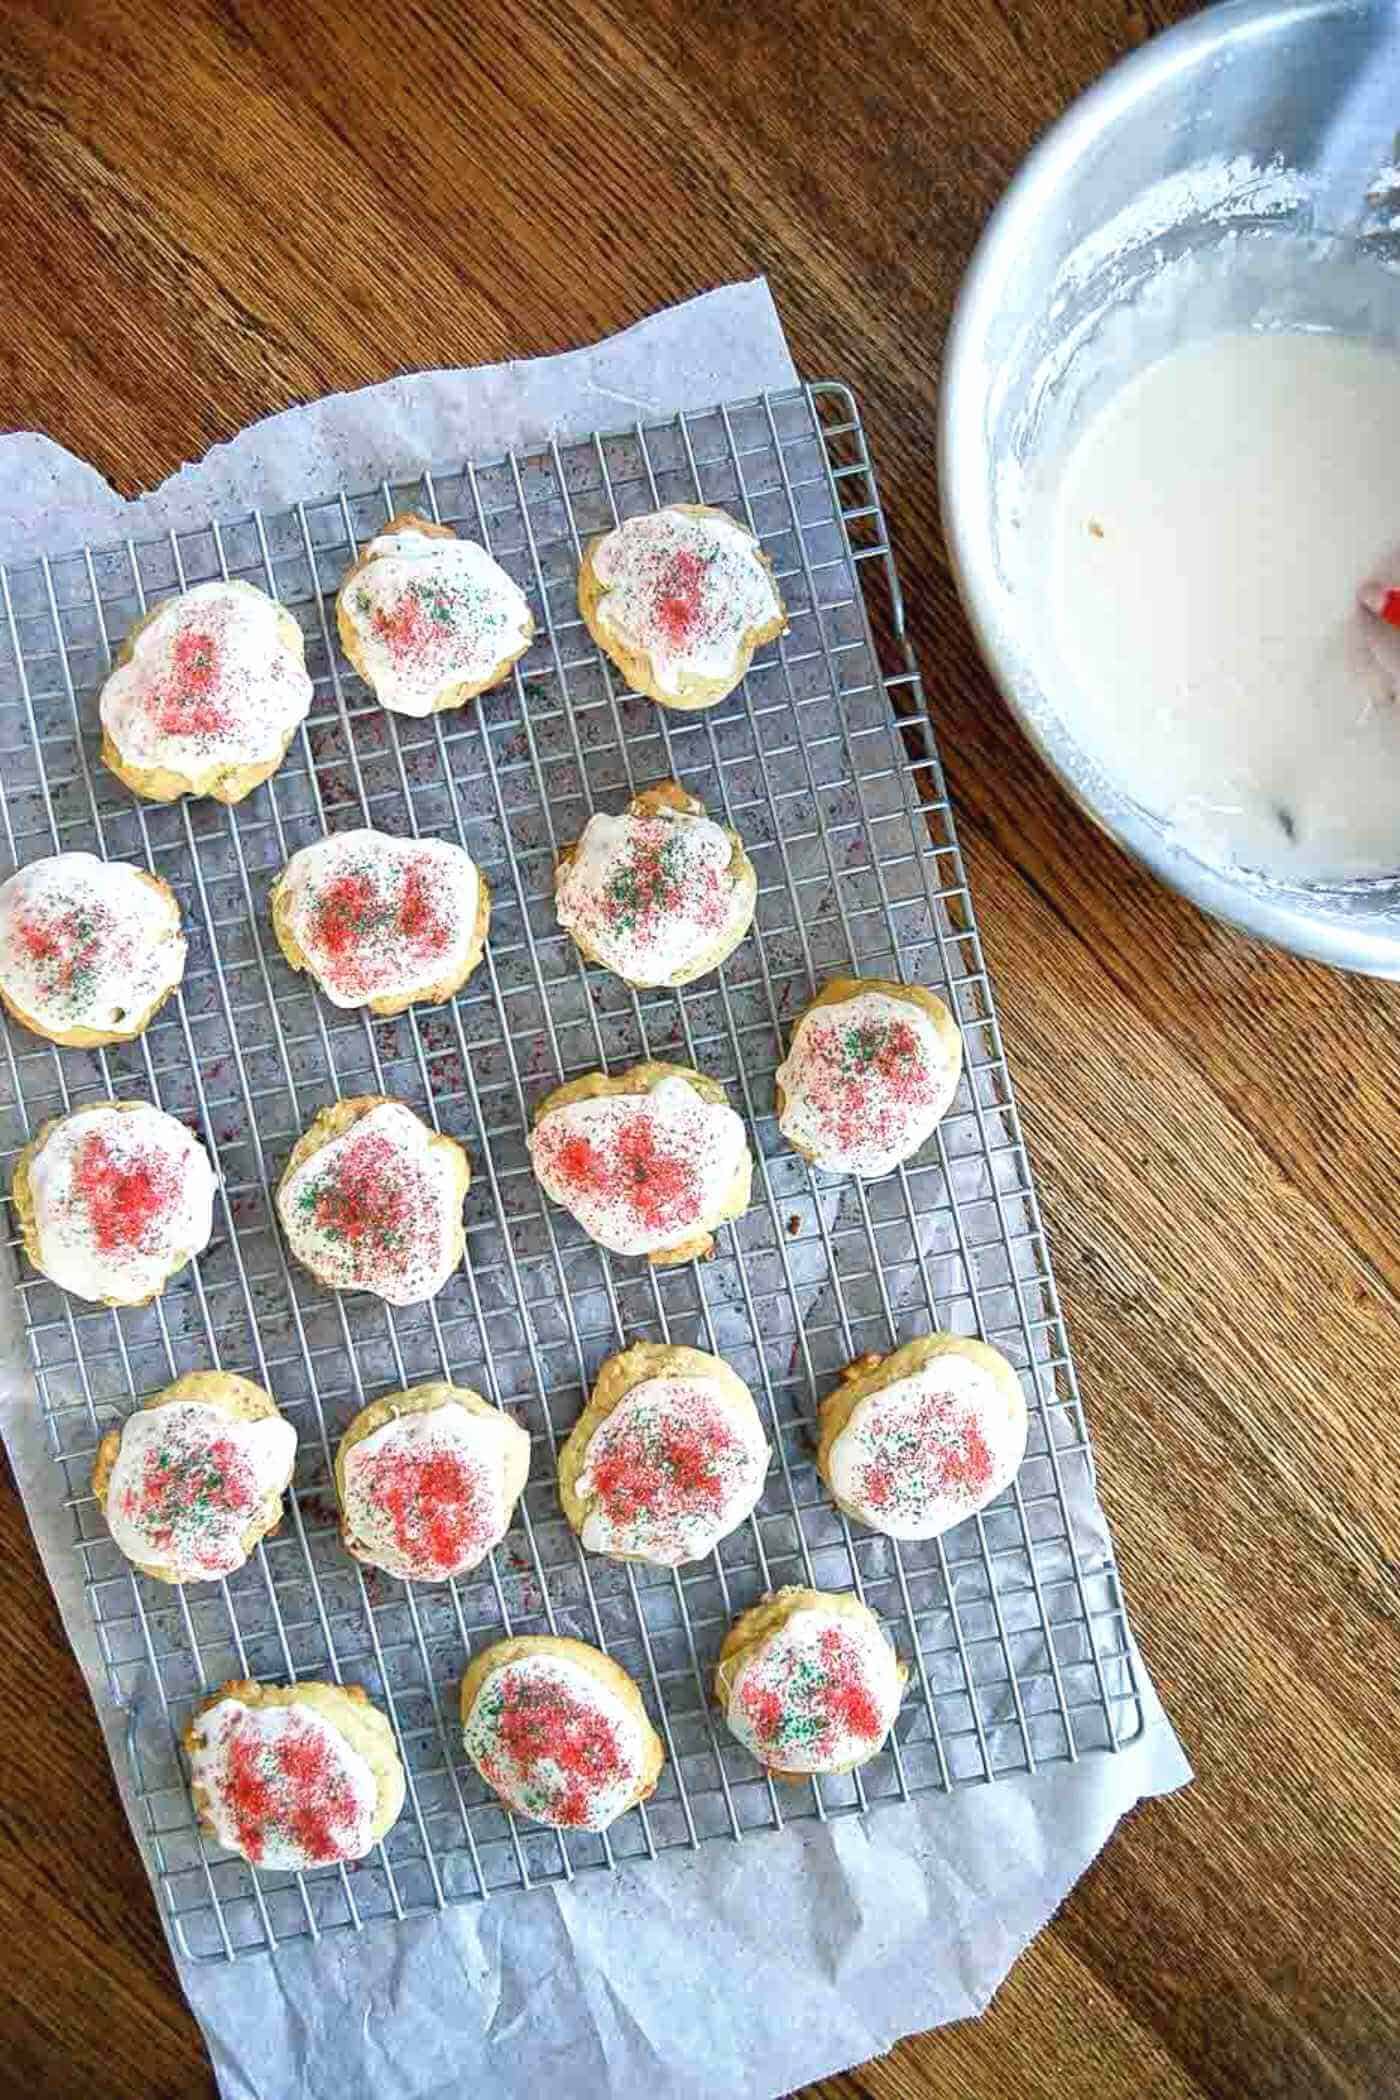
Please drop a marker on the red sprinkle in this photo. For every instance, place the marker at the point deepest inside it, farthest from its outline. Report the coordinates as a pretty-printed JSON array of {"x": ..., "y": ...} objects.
[
  {"x": 291, "y": 1783},
  {"x": 659, "y": 1187},
  {"x": 678, "y": 596},
  {"x": 437, "y": 1503},
  {"x": 124, "y": 1199},
  {"x": 848, "y": 1701},
  {"x": 542, "y": 1721},
  {"x": 190, "y": 705}
]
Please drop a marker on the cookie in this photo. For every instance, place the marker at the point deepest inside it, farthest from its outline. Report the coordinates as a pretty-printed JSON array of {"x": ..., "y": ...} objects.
[
  {"x": 660, "y": 894},
  {"x": 808, "y": 1682},
  {"x": 649, "y": 1162},
  {"x": 113, "y": 1200},
  {"x": 914, "y": 1442},
  {"x": 559, "y": 1731},
  {"x": 428, "y": 620},
  {"x": 371, "y": 1200},
  {"x": 206, "y": 694},
  {"x": 90, "y": 949},
  {"x": 193, "y": 1479},
  {"x": 667, "y": 1458},
  {"x": 382, "y": 922},
  {"x": 293, "y": 1776},
  {"x": 428, "y": 1481},
  {"x": 680, "y": 599},
  {"x": 871, "y": 1069}
]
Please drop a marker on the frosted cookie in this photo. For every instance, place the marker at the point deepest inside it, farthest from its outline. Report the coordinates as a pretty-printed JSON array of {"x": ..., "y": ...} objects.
[
  {"x": 871, "y": 1069},
  {"x": 667, "y": 1458},
  {"x": 429, "y": 620},
  {"x": 192, "y": 1480},
  {"x": 659, "y": 894},
  {"x": 371, "y": 1200},
  {"x": 648, "y": 1162},
  {"x": 913, "y": 1442},
  {"x": 89, "y": 949},
  {"x": 559, "y": 1731},
  {"x": 293, "y": 1776},
  {"x": 381, "y": 921},
  {"x": 208, "y": 691},
  {"x": 809, "y": 1682},
  {"x": 428, "y": 1481},
  {"x": 680, "y": 599},
  {"x": 114, "y": 1199}
]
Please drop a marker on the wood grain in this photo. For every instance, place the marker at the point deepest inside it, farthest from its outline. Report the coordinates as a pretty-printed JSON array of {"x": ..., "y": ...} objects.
[{"x": 220, "y": 209}]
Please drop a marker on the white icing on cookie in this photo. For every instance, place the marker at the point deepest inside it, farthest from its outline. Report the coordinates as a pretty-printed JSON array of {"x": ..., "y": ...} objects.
[
  {"x": 684, "y": 591},
  {"x": 671, "y": 1471},
  {"x": 555, "y": 1743},
  {"x": 640, "y": 1171},
  {"x": 818, "y": 1695},
  {"x": 282, "y": 1785},
  {"x": 87, "y": 943},
  {"x": 652, "y": 895},
  {"x": 865, "y": 1082},
  {"x": 122, "y": 1198},
  {"x": 926, "y": 1451},
  {"x": 188, "y": 1483},
  {"x": 430, "y": 613},
  {"x": 425, "y": 1495},
  {"x": 211, "y": 683},
  {"x": 379, "y": 917},
  {"x": 374, "y": 1209}
]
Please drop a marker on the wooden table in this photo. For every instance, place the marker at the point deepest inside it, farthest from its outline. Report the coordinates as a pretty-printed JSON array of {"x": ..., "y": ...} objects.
[{"x": 218, "y": 209}]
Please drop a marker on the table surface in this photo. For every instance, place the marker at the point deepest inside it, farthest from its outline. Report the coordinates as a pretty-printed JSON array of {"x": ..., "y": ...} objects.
[{"x": 220, "y": 209}]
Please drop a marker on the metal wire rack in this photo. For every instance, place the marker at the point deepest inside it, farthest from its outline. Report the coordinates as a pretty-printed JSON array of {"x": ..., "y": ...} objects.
[{"x": 825, "y": 762}]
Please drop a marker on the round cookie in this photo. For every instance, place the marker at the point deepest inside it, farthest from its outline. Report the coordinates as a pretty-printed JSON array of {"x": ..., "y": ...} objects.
[
  {"x": 649, "y": 1162},
  {"x": 871, "y": 1069},
  {"x": 293, "y": 1776},
  {"x": 429, "y": 620},
  {"x": 89, "y": 949},
  {"x": 371, "y": 1200},
  {"x": 914, "y": 1442},
  {"x": 680, "y": 599},
  {"x": 193, "y": 1479},
  {"x": 427, "y": 1481},
  {"x": 206, "y": 694},
  {"x": 809, "y": 1682},
  {"x": 667, "y": 1458},
  {"x": 660, "y": 894},
  {"x": 113, "y": 1200},
  {"x": 559, "y": 1731},
  {"x": 380, "y": 921}
]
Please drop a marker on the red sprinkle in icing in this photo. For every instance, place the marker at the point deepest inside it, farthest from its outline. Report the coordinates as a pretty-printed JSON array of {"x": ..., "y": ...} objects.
[
  {"x": 807, "y": 1700},
  {"x": 668, "y": 1473},
  {"x": 181, "y": 1491},
  {"x": 686, "y": 590},
  {"x": 370, "y": 1208},
  {"x": 679, "y": 585},
  {"x": 126, "y": 1198},
  {"x": 192, "y": 703},
  {"x": 378, "y": 916},
  {"x": 285, "y": 1786},
  {"x": 438, "y": 1504},
  {"x": 543, "y": 1735},
  {"x": 863, "y": 1083},
  {"x": 639, "y": 1171}
]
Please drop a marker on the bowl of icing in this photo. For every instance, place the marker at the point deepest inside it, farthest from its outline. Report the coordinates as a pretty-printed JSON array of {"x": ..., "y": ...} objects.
[{"x": 1169, "y": 434}]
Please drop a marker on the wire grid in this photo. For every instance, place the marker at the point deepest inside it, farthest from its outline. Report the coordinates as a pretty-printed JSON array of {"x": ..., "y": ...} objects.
[{"x": 825, "y": 762}]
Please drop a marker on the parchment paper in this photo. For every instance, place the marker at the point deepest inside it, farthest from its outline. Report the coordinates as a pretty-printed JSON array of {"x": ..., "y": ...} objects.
[{"x": 740, "y": 1969}]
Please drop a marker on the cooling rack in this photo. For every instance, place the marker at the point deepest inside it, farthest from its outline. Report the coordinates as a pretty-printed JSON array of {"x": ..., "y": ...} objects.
[{"x": 825, "y": 761}]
